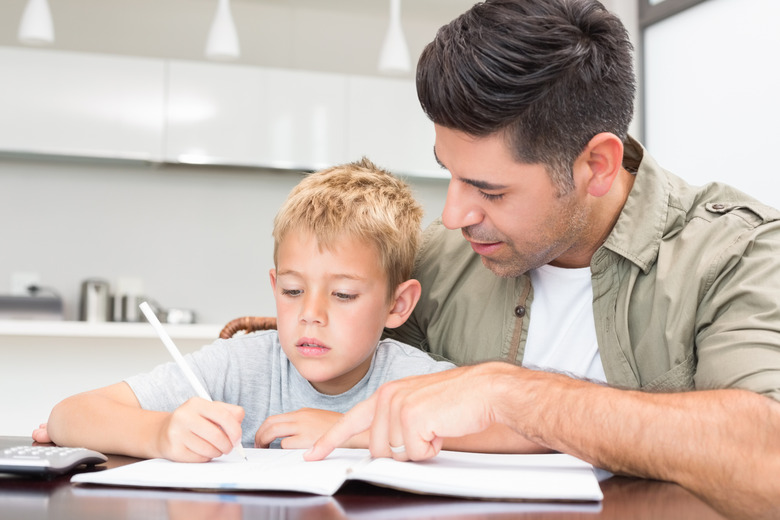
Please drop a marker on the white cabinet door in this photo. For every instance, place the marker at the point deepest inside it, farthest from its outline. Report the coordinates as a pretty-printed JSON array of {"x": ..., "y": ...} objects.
[
  {"x": 387, "y": 125},
  {"x": 251, "y": 116},
  {"x": 213, "y": 113},
  {"x": 306, "y": 119},
  {"x": 90, "y": 105}
]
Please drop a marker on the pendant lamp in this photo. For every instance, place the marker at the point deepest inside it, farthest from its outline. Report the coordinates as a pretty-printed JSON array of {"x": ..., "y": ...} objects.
[
  {"x": 394, "y": 56},
  {"x": 36, "y": 27},
  {"x": 222, "y": 42}
]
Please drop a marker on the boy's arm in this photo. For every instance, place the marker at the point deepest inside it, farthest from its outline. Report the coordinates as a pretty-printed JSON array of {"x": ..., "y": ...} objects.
[
  {"x": 111, "y": 420},
  {"x": 108, "y": 419}
]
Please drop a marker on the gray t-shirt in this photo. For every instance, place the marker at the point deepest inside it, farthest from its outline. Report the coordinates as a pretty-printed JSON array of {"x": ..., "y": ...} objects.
[{"x": 253, "y": 372}]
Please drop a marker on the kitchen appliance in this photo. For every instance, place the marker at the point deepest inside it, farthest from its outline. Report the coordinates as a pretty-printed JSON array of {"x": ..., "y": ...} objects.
[
  {"x": 95, "y": 301},
  {"x": 178, "y": 316},
  {"x": 44, "y": 307},
  {"x": 129, "y": 307}
]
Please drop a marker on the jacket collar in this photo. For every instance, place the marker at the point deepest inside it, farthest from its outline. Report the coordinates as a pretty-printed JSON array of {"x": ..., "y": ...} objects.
[{"x": 642, "y": 221}]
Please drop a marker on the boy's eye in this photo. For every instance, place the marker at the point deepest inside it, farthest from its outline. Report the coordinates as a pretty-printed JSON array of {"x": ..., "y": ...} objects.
[
  {"x": 491, "y": 196},
  {"x": 345, "y": 296},
  {"x": 291, "y": 292}
]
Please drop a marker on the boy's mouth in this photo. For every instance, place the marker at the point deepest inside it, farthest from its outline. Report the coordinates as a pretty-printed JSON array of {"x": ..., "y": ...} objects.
[{"x": 310, "y": 347}]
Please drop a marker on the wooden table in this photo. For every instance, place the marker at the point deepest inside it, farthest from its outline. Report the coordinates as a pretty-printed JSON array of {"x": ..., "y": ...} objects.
[{"x": 34, "y": 498}]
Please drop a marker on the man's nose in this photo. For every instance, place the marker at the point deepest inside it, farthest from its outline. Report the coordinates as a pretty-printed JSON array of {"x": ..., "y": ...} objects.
[{"x": 459, "y": 210}]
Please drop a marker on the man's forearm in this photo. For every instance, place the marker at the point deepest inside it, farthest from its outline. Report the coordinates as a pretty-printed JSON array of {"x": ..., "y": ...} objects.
[{"x": 723, "y": 445}]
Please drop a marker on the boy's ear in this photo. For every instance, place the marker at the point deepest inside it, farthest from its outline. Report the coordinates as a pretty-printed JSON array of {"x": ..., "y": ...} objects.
[
  {"x": 272, "y": 274},
  {"x": 406, "y": 296}
]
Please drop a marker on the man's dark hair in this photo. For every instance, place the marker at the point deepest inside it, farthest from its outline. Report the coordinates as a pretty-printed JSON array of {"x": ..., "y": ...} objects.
[{"x": 548, "y": 74}]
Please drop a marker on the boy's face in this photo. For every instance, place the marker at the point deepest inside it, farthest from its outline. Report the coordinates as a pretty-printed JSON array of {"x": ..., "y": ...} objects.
[{"x": 331, "y": 308}]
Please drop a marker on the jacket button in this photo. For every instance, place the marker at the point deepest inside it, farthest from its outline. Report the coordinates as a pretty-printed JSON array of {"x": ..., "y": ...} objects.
[
  {"x": 519, "y": 311},
  {"x": 718, "y": 206}
]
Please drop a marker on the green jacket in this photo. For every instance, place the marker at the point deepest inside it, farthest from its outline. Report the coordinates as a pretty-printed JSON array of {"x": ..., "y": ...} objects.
[{"x": 686, "y": 291}]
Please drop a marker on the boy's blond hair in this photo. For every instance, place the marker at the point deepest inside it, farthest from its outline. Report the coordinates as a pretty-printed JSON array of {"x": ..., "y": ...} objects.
[{"x": 361, "y": 201}]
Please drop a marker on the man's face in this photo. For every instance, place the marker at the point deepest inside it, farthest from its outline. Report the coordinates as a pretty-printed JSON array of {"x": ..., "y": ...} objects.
[{"x": 510, "y": 212}]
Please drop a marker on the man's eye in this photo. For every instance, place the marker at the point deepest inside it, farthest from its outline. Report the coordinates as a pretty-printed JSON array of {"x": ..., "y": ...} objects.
[
  {"x": 291, "y": 292},
  {"x": 491, "y": 196},
  {"x": 345, "y": 296}
]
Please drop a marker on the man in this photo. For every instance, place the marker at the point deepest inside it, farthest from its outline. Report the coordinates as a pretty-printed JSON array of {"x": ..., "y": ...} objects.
[{"x": 649, "y": 306}]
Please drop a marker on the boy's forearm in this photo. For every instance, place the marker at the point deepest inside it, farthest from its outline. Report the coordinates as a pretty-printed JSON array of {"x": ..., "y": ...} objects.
[{"x": 98, "y": 422}]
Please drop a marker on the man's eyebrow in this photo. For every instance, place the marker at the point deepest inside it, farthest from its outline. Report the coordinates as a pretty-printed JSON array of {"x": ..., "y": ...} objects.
[
  {"x": 482, "y": 185},
  {"x": 437, "y": 158}
]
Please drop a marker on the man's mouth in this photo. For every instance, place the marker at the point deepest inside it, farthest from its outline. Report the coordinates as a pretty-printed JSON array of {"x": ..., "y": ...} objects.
[{"x": 485, "y": 248}]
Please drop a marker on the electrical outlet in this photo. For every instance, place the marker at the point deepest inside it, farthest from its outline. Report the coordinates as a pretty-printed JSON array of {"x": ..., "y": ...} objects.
[{"x": 20, "y": 281}]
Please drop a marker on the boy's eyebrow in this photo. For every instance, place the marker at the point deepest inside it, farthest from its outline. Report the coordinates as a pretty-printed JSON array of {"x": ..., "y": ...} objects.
[
  {"x": 345, "y": 276},
  {"x": 482, "y": 185}
]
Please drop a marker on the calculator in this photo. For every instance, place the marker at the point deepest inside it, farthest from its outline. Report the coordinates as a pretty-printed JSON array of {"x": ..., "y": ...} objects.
[{"x": 46, "y": 460}]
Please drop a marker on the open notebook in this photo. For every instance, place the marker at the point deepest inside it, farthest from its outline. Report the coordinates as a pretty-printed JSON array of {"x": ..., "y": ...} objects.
[{"x": 475, "y": 475}]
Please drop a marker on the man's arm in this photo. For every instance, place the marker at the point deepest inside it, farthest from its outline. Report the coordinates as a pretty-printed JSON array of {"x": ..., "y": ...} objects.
[
  {"x": 496, "y": 438},
  {"x": 111, "y": 420},
  {"x": 723, "y": 445}
]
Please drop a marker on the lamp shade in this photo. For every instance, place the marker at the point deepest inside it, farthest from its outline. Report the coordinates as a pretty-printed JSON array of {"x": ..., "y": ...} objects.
[
  {"x": 394, "y": 56},
  {"x": 36, "y": 27},
  {"x": 222, "y": 43}
]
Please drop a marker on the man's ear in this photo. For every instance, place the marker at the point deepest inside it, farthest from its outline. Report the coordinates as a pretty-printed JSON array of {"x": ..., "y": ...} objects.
[
  {"x": 405, "y": 298},
  {"x": 272, "y": 274},
  {"x": 600, "y": 163}
]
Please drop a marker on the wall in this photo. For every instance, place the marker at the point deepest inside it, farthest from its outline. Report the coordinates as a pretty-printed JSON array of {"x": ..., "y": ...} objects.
[
  {"x": 343, "y": 36},
  {"x": 712, "y": 107},
  {"x": 199, "y": 237}
]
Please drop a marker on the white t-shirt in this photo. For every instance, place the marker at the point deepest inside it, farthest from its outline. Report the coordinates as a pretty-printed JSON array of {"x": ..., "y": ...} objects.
[{"x": 562, "y": 331}]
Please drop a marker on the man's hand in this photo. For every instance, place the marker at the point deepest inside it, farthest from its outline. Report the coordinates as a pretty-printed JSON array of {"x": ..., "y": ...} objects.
[
  {"x": 298, "y": 429},
  {"x": 417, "y": 413},
  {"x": 200, "y": 430}
]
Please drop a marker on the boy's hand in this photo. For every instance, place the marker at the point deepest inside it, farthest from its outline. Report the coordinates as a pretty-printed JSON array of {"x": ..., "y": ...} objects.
[
  {"x": 298, "y": 429},
  {"x": 41, "y": 434},
  {"x": 200, "y": 430}
]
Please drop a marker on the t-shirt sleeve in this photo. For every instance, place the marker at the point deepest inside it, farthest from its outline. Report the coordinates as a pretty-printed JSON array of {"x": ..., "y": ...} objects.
[
  {"x": 395, "y": 360},
  {"x": 165, "y": 387}
]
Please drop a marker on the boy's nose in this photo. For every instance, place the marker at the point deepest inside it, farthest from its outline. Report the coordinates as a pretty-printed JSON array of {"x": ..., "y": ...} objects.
[{"x": 313, "y": 311}]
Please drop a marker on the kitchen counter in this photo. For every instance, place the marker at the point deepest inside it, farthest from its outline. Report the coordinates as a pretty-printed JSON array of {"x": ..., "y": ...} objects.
[
  {"x": 42, "y": 362},
  {"x": 83, "y": 329}
]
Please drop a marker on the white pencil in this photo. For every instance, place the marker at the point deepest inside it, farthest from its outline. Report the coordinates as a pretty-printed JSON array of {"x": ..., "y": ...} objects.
[{"x": 169, "y": 344}]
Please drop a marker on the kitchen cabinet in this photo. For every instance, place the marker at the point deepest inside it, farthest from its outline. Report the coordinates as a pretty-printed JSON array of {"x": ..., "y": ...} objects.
[
  {"x": 105, "y": 106},
  {"x": 386, "y": 124},
  {"x": 214, "y": 113},
  {"x": 306, "y": 114},
  {"x": 68, "y": 103},
  {"x": 251, "y": 116}
]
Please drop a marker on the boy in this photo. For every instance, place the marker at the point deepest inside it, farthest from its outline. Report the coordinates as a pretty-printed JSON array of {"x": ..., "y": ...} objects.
[{"x": 344, "y": 247}]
